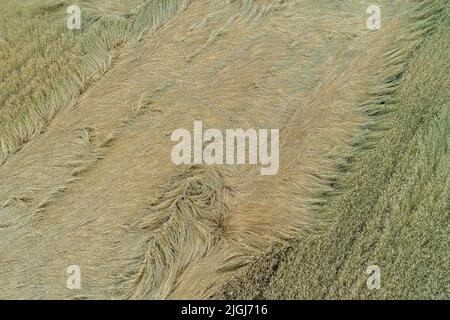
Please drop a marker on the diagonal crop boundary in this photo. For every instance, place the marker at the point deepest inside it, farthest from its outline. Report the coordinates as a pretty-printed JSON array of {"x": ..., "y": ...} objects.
[{"x": 380, "y": 108}]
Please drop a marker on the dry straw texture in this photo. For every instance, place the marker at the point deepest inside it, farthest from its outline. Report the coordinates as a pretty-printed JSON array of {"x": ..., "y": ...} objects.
[{"x": 86, "y": 118}]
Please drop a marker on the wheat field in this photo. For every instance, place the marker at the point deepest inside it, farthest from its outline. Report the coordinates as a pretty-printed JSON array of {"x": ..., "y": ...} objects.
[{"x": 86, "y": 117}]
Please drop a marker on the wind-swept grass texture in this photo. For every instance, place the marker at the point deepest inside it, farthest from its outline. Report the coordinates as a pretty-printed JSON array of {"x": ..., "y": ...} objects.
[
  {"x": 393, "y": 210},
  {"x": 86, "y": 119}
]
